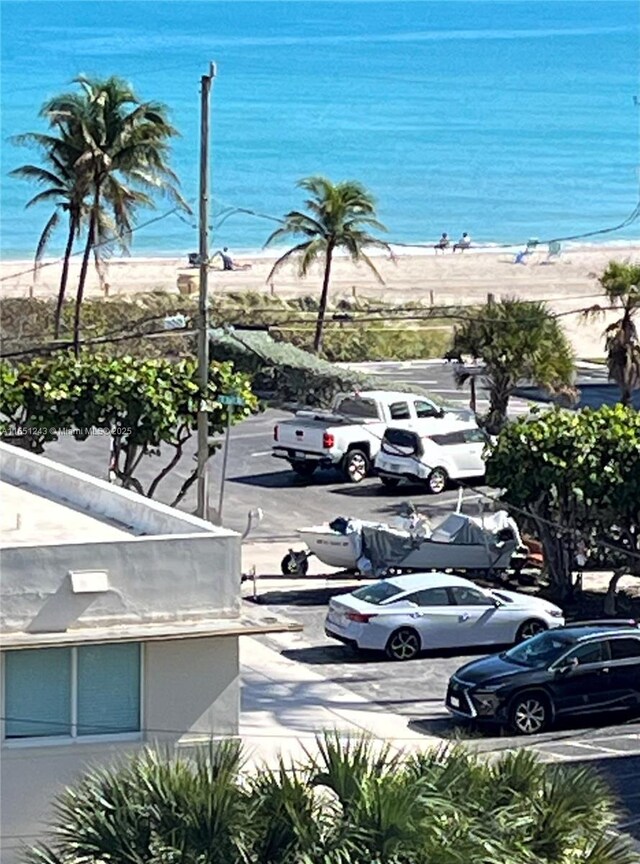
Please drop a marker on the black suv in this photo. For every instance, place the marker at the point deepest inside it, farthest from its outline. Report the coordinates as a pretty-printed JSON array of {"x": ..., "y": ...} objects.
[{"x": 578, "y": 669}]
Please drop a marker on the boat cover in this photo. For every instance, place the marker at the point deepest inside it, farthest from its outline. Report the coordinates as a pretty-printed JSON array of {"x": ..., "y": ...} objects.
[{"x": 383, "y": 548}]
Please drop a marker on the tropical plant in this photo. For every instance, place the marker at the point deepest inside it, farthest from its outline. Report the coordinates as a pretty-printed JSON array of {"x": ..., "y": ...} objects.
[
  {"x": 577, "y": 473},
  {"x": 621, "y": 283},
  {"x": 515, "y": 340},
  {"x": 339, "y": 217},
  {"x": 351, "y": 802},
  {"x": 146, "y": 407},
  {"x": 65, "y": 188},
  {"x": 122, "y": 146}
]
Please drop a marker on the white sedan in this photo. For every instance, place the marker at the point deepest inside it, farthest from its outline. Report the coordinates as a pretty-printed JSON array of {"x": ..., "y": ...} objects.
[{"x": 408, "y": 614}]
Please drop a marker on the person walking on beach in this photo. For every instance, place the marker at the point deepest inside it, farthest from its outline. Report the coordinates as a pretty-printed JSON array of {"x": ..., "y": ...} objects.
[
  {"x": 442, "y": 243},
  {"x": 463, "y": 243}
]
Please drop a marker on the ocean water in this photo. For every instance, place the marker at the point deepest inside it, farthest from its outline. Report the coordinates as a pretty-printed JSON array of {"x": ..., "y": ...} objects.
[{"x": 504, "y": 119}]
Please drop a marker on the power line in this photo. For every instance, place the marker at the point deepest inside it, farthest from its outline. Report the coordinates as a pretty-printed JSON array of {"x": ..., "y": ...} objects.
[
  {"x": 122, "y": 334},
  {"x": 108, "y": 242}
]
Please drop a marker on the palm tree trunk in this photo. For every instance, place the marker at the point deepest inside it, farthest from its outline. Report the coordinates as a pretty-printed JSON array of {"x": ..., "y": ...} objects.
[
  {"x": 324, "y": 299},
  {"x": 498, "y": 405},
  {"x": 64, "y": 277},
  {"x": 83, "y": 272}
]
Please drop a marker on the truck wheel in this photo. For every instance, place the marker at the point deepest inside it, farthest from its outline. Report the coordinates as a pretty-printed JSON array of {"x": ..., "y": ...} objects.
[
  {"x": 437, "y": 481},
  {"x": 302, "y": 469},
  {"x": 294, "y": 564},
  {"x": 355, "y": 466}
]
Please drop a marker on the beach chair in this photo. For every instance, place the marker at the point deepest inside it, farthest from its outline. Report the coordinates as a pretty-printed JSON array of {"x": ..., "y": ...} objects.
[{"x": 555, "y": 248}]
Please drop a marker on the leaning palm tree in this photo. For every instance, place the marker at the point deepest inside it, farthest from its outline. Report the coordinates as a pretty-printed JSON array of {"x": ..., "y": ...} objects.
[
  {"x": 125, "y": 146},
  {"x": 65, "y": 189},
  {"x": 339, "y": 217},
  {"x": 621, "y": 283}
]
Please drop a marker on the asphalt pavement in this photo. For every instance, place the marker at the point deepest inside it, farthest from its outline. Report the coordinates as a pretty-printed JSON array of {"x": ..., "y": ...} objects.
[
  {"x": 414, "y": 691},
  {"x": 256, "y": 480}
]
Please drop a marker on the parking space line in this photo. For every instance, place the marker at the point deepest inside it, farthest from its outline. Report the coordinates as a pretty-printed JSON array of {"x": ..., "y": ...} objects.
[{"x": 595, "y": 746}]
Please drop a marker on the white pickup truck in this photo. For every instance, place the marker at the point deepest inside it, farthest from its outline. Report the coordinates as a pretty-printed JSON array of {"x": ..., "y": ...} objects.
[{"x": 349, "y": 436}]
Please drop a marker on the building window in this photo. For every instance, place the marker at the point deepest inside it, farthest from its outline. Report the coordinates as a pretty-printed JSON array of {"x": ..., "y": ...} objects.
[{"x": 72, "y": 692}]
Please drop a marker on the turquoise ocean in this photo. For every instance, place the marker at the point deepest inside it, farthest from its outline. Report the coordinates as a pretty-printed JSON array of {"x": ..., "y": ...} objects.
[{"x": 504, "y": 119}]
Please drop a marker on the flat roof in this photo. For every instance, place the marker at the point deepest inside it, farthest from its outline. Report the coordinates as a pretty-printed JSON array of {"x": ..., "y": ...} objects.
[{"x": 31, "y": 518}]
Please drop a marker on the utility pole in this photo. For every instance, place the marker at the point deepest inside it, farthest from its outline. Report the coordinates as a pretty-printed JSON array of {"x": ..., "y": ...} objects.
[{"x": 203, "y": 306}]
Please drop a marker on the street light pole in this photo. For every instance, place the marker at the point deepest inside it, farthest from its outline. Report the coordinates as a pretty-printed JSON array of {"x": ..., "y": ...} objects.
[{"x": 203, "y": 304}]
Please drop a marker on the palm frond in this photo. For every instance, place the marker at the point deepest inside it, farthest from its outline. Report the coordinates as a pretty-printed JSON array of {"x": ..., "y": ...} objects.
[
  {"x": 48, "y": 230},
  {"x": 284, "y": 258}
]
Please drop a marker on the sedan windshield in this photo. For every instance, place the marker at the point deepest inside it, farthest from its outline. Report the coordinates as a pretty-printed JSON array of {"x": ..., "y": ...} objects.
[
  {"x": 377, "y": 593},
  {"x": 538, "y": 652}
]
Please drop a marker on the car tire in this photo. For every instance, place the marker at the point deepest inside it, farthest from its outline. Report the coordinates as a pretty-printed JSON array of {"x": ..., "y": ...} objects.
[
  {"x": 530, "y": 628},
  {"x": 530, "y": 713},
  {"x": 404, "y": 644},
  {"x": 303, "y": 469},
  {"x": 389, "y": 482},
  {"x": 437, "y": 481},
  {"x": 294, "y": 565},
  {"x": 355, "y": 466}
]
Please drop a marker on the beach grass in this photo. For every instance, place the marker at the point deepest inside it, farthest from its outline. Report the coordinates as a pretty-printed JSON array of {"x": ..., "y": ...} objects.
[{"x": 357, "y": 329}]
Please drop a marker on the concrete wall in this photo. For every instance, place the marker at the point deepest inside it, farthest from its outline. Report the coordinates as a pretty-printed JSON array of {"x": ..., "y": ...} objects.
[
  {"x": 97, "y": 497},
  {"x": 190, "y": 693},
  {"x": 151, "y": 579}
]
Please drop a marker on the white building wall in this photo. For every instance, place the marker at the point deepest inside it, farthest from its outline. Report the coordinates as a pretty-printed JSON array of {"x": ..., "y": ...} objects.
[
  {"x": 151, "y": 579},
  {"x": 190, "y": 693}
]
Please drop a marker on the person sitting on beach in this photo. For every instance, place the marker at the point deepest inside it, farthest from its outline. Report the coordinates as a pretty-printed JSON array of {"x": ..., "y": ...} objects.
[
  {"x": 442, "y": 243},
  {"x": 463, "y": 243},
  {"x": 227, "y": 261}
]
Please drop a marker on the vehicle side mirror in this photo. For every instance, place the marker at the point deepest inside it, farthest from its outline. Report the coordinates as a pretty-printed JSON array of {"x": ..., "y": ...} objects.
[{"x": 497, "y": 603}]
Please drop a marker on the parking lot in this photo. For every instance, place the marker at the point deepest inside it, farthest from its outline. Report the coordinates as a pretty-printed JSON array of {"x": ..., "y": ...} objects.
[{"x": 415, "y": 690}]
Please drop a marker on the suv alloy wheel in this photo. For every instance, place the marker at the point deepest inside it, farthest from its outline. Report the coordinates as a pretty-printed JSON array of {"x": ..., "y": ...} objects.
[
  {"x": 437, "y": 481},
  {"x": 530, "y": 713}
]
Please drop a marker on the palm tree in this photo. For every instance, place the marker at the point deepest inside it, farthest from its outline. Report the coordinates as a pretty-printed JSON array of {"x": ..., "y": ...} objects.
[
  {"x": 351, "y": 802},
  {"x": 65, "y": 189},
  {"x": 338, "y": 218},
  {"x": 515, "y": 340},
  {"x": 125, "y": 144},
  {"x": 621, "y": 283}
]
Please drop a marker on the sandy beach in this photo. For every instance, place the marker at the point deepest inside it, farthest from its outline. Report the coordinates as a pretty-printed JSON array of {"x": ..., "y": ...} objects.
[{"x": 567, "y": 283}]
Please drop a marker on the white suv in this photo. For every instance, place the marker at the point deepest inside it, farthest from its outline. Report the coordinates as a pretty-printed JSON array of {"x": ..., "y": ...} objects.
[{"x": 432, "y": 454}]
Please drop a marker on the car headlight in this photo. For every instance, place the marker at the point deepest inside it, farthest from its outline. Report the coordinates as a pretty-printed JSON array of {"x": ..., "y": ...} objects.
[
  {"x": 555, "y": 613},
  {"x": 487, "y": 691}
]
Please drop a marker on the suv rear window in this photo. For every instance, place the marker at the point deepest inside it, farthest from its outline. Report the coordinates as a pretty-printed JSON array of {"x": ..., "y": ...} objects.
[
  {"x": 351, "y": 406},
  {"x": 400, "y": 442},
  {"x": 377, "y": 593}
]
